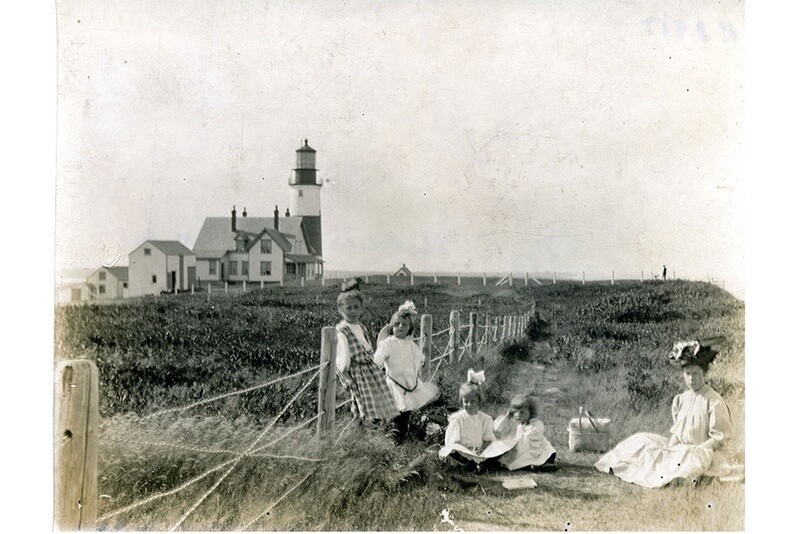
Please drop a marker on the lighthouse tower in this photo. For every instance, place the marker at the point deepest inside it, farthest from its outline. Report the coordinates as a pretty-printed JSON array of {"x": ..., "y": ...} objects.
[{"x": 305, "y": 189}]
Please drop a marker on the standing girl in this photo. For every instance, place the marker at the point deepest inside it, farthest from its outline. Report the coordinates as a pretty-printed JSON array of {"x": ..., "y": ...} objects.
[
  {"x": 402, "y": 359},
  {"x": 354, "y": 362},
  {"x": 521, "y": 425}
]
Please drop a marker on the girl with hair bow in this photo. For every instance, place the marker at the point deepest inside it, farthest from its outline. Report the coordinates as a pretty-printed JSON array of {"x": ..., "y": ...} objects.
[{"x": 402, "y": 360}]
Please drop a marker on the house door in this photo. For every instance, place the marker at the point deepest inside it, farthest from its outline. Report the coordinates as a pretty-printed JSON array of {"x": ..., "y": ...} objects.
[{"x": 172, "y": 277}]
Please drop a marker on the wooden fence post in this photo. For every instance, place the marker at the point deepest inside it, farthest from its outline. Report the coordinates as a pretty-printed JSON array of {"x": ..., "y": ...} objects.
[
  {"x": 494, "y": 328},
  {"x": 473, "y": 334},
  {"x": 426, "y": 329},
  {"x": 510, "y": 279},
  {"x": 612, "y": 278},
  {"x": 192, "y": 289},
  {"x": 554, "y": 278},
  {"x": 455, "y": 335},
  {"x": 434, "y": 278},
  {"x": 76, "y": 419},
  {"x": 262, "y": 283},
  {"x": 484, "y": 278},
  {"x": 326, "y": 397},
  {"x": 244, "y": 286},
  {"x": 226, "y": 287},
  {"x": 504, "y": 332},
  {"x": 641, "y": 278},
  {"x": 584, "y": 277},
  {"x": 175, "y": 289},
  {"x": 412, "y": 279},
  {"x": 526, "y": 278},
  {"x": 209, "y": 292},
  {"x": 459, "y": 278},
  {"x": 387, "y": 280}
]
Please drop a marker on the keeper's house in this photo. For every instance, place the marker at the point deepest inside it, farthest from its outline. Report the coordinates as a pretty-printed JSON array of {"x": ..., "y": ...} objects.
[
  {"x": 264, "y": 249},
  {"x": 160, "y": 266}
]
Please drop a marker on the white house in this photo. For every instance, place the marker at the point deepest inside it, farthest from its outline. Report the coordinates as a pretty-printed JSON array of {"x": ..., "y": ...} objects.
[
  {"x": 105, "y": 283},
  {"x": 264, "y": 249},
  {"x": 158, "y": 266}
]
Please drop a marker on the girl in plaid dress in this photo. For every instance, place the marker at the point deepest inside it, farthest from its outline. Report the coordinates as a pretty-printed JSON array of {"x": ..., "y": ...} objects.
[{"x": 354, "y": 354}]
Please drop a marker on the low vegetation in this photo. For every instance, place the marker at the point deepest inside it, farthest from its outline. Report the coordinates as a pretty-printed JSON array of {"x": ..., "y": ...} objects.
[{"x": 597, "y": 346}]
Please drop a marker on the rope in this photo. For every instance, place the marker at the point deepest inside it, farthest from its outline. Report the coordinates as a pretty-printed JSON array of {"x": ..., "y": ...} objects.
[
  {"x": 237, "y": 392},
  {"x": 440, "y": 332},
  {"x": 297, "y": 485},
  {"x": 239, "y": 457},
  {"x": 202, "y": 450}
]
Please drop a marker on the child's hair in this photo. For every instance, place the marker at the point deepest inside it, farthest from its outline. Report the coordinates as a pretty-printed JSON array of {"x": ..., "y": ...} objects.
[
  {"x": 526, "y": 400},
  {"x": 350, "y": 291},
  {"x": 410, "y": 316}
]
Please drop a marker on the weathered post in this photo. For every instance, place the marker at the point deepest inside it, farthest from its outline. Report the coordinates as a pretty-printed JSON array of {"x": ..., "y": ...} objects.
[
  {"x": 262, "y": 283},
  {"x": 208, "y": 298},
  {"x": 426, "y": 329},
  {"x": 484, "y": 278},
  {"x": 76, "y": 420},
  {"x": 510, "y": 279},
  {"x": 244, "y": 286},
  {"x": 612, "y": 278},
  {"x": 175, "y": 289},
  {"x": 366, "y": 279},
  {"x": 473, "y": 334},
  {"x": 554, "y": 278},
  {"x": 641, "y": 278},
  {"x": 302, "y": 281},
  {"x": 495, "y": 322},
  {"x": 504, "y": 331},
  {"x": 434, "y": 278},
  {"x": 459, "y": 278},
  {"x": 526, "y": 278},
  {"x": 192, "y": 289},
  {"x": 226, "y": 287},
  {"x": 584, "y": 278},
  {"x": 387, "y": 280},
  {"x": 326, "y": 398},
  {"x": 455, "y": 335},
  {"x": 412, "y": 279}
]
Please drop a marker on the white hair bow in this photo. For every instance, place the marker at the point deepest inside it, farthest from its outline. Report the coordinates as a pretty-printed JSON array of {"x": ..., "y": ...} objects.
[
  {"x": 476, "y": 377},
  {"x": 407, "y": 307},
  {"x": 678, "y": 350}
]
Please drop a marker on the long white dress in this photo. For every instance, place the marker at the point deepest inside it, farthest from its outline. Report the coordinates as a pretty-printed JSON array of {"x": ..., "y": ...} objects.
[
  {"x": 402, "y": 360},
  {"x": 531, "y": 448},
  {"x": 702, "y": 431},
  {"x": 466, "y": 434}
]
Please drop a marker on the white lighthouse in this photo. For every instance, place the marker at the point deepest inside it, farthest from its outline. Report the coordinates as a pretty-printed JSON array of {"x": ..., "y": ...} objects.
[{"x": 305, "y": 189}]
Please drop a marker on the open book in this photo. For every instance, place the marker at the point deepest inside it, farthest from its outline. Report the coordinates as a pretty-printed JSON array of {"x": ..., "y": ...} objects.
[{"x": 493, "y": 450}]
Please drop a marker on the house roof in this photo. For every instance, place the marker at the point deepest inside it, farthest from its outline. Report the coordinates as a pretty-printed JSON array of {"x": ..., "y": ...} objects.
[
  {"x": 120, "y": 273},
  {"x": 312, "y": 234},
  {"x": 216, "y": 234},
  {"x": 402, "y": 271},
  {"x": 172, "y": 248},
  {"x": 303, "y": 258}
]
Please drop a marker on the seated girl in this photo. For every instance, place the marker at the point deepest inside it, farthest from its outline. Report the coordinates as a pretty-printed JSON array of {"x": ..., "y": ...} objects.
[
  {"x": 521, "y": 426},
  {"x": 469, "y": 438},
  {"x": 699, "y": 442}
]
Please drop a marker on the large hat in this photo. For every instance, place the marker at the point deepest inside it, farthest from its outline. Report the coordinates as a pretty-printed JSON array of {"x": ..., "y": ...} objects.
[{"x": 698, "y": 352}]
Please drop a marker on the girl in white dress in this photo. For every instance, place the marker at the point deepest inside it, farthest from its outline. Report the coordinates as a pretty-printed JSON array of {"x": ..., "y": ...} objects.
[
  {"x": 699, "y": 442},
  {"x": 402, "y": 360},
  {"x": 521, "y": 425}
]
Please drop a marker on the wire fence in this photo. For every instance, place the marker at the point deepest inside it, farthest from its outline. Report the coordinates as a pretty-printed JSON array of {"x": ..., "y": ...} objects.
[{"x": 442, "y": 348}]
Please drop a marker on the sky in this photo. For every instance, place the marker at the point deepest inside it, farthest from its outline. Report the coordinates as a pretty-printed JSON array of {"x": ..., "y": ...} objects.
[{"x": 501, "y": 136}]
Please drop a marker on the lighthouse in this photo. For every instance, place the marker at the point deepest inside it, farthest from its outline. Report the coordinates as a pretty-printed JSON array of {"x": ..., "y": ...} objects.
[{"x": 305, "y": 189}]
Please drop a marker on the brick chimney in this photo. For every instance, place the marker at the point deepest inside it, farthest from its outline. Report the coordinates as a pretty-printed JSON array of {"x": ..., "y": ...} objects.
[
  {"x": 277, "y": 215},
  {"x": 233, "y": 219}
]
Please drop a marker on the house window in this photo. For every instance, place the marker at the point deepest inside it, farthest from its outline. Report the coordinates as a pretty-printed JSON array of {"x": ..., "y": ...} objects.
[
  {"x": 266, "y": 268},
  {"x": 234, "y": 268},
  {"x": 124, "y": 285},
  {"x": 102, "y": 288},
  {"x": 300, "y": 193},
  {"x": 266, "y": 246},
  {"x": 291, "y": 269},
  {"x": 212, "y": 266},
  {"x": 146, "y": 251},
  {"x": 239, "y": 245},
  {"x": 102, "y": 275},
  {"x": 245, "y": 268},
  {"x": 155, "y": 279}
]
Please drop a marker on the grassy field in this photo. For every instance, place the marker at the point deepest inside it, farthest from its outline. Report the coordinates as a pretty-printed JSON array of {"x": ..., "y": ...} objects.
[{"x": 606, "y": 350}]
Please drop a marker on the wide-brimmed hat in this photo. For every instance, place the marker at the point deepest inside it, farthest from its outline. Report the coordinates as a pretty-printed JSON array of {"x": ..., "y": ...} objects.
[{"x": 697, "y": 352}]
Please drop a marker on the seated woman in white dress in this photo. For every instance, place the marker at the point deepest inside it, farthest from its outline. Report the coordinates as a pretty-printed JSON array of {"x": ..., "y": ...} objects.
[{"x": 699, "y": 442}]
